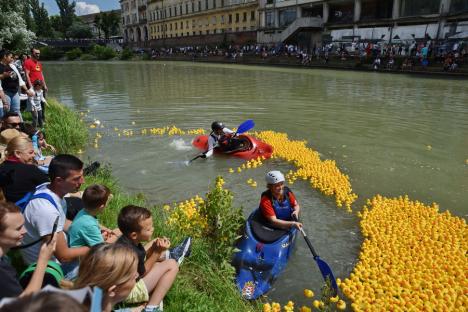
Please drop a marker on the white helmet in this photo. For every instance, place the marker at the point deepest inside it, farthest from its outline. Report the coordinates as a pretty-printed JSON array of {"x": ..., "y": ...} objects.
[{"x": 274, "y": 177}]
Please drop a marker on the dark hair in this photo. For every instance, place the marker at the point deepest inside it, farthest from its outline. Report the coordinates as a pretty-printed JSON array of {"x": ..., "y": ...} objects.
[
  {"x": 10, "y": 114},
  {"x": 29, "y": 129},
  {"x": 95, "y": 196},
  {"x": 37, "y": 82},
  {"x": 6, "y": 207},
  {"x": 129, "y": 218},
  {"x": 4, "y": 53},
  {"x": 61, "y": 165},
  {"x": 45, "y": 301}
]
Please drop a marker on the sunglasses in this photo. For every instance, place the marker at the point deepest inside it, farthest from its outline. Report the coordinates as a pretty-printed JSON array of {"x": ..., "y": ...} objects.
[{"x": 15, "y": 124}]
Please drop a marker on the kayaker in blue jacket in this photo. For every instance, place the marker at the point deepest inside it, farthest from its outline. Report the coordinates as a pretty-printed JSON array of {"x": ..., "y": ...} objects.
[
  {"x": 218, "y": 137},
  {"x": 278, "y": 203}
]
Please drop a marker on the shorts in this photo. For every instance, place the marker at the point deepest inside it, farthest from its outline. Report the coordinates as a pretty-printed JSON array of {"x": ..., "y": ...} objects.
[{"x": 139, "y": 294}]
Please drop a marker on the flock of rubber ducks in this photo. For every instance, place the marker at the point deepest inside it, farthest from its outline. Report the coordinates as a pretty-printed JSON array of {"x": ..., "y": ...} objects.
[{"x": 413, "y": 257}]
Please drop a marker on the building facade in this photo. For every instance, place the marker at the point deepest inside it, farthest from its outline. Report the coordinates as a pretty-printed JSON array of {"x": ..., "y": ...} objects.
[
  {"x": 134, "y": 21},
  {"x": 185, "y": 22},
  {"x": 373, "y": 20}
]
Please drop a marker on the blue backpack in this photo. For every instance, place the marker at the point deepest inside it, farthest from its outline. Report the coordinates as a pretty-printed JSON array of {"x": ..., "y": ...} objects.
[{"x": 23, "y": 202}]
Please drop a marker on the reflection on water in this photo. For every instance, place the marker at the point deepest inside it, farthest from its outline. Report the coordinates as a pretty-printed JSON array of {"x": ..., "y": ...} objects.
[{"x": 392, "y": 134}]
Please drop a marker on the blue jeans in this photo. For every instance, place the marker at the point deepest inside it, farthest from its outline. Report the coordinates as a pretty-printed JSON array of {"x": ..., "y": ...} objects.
[{"x": 14, "y": 100}]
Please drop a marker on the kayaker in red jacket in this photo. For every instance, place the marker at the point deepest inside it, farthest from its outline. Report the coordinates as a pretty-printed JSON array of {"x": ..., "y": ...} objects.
[{"x": 278, "y": 203}]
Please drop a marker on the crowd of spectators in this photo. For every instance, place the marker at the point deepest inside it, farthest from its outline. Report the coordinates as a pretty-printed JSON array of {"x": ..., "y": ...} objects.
[
  {"x": 449, "y": 55},
  {"x": 51, "y": 226}
]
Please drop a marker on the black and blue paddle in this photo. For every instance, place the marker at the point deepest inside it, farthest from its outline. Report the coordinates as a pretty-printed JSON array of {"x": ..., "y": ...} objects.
[
  {"x": 323, "y": 266},
  {"x": 243, "y": 127}
]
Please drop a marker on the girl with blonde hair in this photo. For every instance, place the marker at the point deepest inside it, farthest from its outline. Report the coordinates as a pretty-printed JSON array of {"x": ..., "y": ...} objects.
[
  {"x": 18, "y": 174},
  {"x": 111, "y": 267}
]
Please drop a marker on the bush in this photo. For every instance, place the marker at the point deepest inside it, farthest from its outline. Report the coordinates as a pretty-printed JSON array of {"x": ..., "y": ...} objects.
[
  {"x": 73, "y": 54},
  {"x": 103, "y": 53},
  {"x": 126, "y": 54},
  {"x": 87, "y": 57},
  {"x": 49, "y": 53}
]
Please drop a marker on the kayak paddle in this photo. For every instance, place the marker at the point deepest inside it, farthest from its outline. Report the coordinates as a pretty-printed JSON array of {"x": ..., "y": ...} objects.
[
  {"x": 243, "y": 127},
  {"x": 323, "y": 266}
]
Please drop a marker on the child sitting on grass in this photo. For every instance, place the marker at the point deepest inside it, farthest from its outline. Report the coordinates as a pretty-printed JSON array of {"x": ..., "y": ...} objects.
[
  {"x": 85, "y": 229},
  {"x": 156, "y": 276}
]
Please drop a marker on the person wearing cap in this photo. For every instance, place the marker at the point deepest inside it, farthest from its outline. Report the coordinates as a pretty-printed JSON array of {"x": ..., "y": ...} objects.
[
  {"x": 278, "y": 204},
  {"x": 219, "y": 136}
]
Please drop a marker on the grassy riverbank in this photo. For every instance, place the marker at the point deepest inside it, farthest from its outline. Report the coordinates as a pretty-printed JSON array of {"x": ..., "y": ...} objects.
[{"x": 205, "y": 281}]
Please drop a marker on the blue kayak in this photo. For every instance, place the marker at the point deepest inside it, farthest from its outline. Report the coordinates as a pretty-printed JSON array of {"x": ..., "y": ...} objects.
[{"x": 264, "y": 253}]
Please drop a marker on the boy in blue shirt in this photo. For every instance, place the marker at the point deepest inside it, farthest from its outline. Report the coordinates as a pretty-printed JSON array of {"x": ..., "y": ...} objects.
[{"x": 85, "y": 229}]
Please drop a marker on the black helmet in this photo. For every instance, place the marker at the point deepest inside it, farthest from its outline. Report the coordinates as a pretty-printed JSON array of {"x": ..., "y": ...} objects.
[{"x": 217, "y": 126}]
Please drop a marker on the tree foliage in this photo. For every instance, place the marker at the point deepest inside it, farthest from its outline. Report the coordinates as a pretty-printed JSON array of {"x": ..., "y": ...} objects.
[
  {"x": 14, "y": 34},
  {"x": 79, "y": 30},
  {"x": 108, "y": 22},
  {"x": 42, "y": 23},
  {"x": 67, "y": 14}
]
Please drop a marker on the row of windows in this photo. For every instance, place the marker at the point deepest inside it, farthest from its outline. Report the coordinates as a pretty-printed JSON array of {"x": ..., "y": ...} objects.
[
  {"x": 200, "y": 32},
  {"x": 194, "y": 6},
  {"x": 201, "y": 22}
]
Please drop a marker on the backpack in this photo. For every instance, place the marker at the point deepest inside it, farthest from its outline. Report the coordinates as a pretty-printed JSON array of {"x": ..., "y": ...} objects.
[{"x": 23, "y": 202}]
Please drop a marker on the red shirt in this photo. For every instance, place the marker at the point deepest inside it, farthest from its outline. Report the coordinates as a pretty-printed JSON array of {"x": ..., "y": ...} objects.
[
  {"x": 35, "y": 70},
  {"x": 267, "y": 208}
]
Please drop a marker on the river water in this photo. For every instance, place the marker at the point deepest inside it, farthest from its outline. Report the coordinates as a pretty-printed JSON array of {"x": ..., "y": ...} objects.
[{"x": 392, "y": 134}]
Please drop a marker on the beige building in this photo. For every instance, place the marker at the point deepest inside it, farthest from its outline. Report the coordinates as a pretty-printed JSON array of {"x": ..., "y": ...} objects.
[
  {"x": 169, "y": 19},
  {"x": 134, "y": 21}
]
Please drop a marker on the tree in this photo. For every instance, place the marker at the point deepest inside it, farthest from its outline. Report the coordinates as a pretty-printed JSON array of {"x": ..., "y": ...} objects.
[
  {"x": 79, "y": 30},
  {"x": 41, "y": 19},
  {"x": 108, "y": 22},
  {"x": 27, "y": 17},
  {"x": 67, "y": 14},
  {"x": 14, "y": 34},
  {"x": 97, "y": 24}
]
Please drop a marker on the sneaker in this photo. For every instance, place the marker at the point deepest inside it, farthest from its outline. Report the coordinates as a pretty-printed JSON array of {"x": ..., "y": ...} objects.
[
  {"x": 91, "y": 169},
  {"x": 181, "y": 251}
]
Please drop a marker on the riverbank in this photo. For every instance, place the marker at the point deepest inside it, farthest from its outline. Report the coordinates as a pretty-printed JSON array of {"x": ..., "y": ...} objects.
[
  {"x": 334, "y": 63},
  {"x": 205, "y": 281}
]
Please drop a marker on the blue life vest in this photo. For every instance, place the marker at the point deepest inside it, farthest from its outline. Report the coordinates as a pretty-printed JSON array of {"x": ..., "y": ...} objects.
[{"x": 284, "y": 209}]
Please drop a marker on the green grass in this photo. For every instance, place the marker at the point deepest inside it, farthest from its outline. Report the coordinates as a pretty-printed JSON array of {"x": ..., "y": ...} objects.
[
  {"x": 64, "y": 128},
  {"x": 204, "y": 283}
]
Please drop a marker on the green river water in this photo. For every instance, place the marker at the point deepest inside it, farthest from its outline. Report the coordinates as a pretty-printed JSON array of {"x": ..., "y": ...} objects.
[{"x": 392, "y": 134}]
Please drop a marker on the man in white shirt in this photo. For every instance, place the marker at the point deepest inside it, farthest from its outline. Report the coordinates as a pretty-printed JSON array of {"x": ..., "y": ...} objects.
[{"x": 66, "y": 176}]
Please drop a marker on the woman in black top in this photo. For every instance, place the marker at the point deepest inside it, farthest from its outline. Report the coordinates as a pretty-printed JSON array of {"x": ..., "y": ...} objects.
[
  {"x": 11, "y": 82},
  {"x": 18, "y": 174}
]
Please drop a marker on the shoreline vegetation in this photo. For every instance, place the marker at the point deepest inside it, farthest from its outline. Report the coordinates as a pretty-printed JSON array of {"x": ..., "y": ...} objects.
[
  {"x": 412, "y": 255},
  {"x": 354, "y": 63},
  {"x": 205, "y": 281}
]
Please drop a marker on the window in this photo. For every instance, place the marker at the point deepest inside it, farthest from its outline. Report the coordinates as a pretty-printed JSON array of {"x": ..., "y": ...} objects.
[
  {"x": 181, "y": 25},
  {"x": 170, "y": 12},
  {"x": 222, "y": 19},
  {"x": 237, "y": 17},
  {"x": 170, "y": 26},
  {"x": 230, "y": 18},
  {"x": 245, "y": 17},
  {"x": 270, "y": 19},
  {"x": 180, "y": 9},
  {"x": 287, "y": 16},
  {"x": 199, "y": 6},
  {"x": 206, "y": 4},
  {"x": 186, "y": 9},
  {"x": 252, "y": 15},
  {"x": 214, "y": 4},
  {"x": 193, "y": 7},
  {"x": 175, "y": 11},
  {"x": 175, "y": 26},
  {"x": 419, "y": 7}
]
